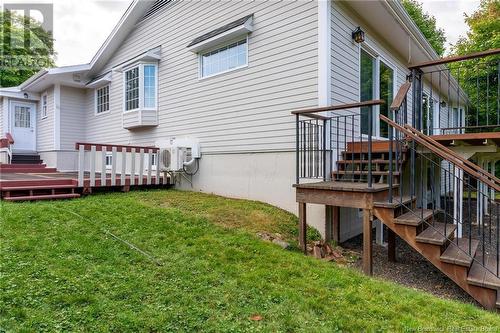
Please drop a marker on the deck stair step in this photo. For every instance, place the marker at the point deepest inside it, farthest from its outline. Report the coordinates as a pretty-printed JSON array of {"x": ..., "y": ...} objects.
[
  {"x": 38, "y": 182},
  {"x": 26, "y": 159},
  {"x": 458, "y": 252},
  {"x": 28, "y": 170},
  {"x": 358, "y": 173},
  {"x": 43, "y": 197},
  {"x": 437, "y": 233},
  {"x": 482, "y": 274},
  {"x": 396, "y": 202},
  {"x": 34, "y": 188},
  {"x": 17, "y": 166},
  {"x": 414, "y": 218}
]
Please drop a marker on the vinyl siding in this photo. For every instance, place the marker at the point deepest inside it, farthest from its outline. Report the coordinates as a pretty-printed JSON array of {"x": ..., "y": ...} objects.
[
  {"x": 45, "y": 129},
  {"x": 346, "y": 57},
  {"x": 72, "y": 117},
  {"x": 244, "y": 110}
]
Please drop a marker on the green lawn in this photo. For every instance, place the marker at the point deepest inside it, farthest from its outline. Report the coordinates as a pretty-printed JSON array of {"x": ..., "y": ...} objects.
[{"x": 160, "y": 261}]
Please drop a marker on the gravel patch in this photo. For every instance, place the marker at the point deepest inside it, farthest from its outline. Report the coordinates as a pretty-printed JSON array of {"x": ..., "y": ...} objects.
[{"x": 411, "y": 270}]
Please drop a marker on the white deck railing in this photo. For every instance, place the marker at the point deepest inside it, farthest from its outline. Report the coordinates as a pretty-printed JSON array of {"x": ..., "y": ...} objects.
[{"x": 117, "y": 165}]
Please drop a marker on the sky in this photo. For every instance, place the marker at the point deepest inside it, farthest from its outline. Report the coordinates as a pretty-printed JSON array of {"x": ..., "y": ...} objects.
[
  {"x": 449, "y": 16},
  {"x": 81, "y": 26}
]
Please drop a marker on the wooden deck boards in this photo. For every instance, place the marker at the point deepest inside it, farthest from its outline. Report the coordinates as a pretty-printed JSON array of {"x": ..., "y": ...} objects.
[
  {"x": 344, "y": 186},
  {"x": 474, "y": 139}
]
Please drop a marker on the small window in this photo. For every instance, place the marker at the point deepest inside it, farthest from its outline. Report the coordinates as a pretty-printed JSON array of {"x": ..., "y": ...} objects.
[
  {"x": 132, "y": 89},
  {"x": 44, "y": 106},
  {"x": 22, "y": 117},
  {"x": 102, "y": 99},
  {"x": 224, "y": 59},
  {"x": 153, "y": 161},
  {"x": 109, "y": 160}
]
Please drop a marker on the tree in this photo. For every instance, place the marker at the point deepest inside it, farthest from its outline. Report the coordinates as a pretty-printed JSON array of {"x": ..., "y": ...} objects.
[
  {"x": 25, "y": 48},
  {"x": 427, "y": 25},
  {"x": 484, "y": 29}
]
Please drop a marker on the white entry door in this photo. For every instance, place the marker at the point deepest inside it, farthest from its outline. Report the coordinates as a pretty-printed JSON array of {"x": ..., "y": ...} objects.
[{"x": 23, "y": 118}]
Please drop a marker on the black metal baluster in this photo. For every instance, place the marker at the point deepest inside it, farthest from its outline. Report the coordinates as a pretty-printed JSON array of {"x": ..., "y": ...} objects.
[
  {"x": 352, "y": 155},
  {"x": 324, "y": 150},
  {"x": 370, "y": 129},
  {"x": 297, "y": 149}
]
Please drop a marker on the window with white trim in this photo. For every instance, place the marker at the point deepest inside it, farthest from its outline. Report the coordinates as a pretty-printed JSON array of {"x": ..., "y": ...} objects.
[
  {"x": 102, "y": 99},
  {"x": 132, "y": 89},
  {"x": 109, "y": 160},
  {"x": 224, "y": 59},
  {"x": 44, "y": 105},
  {"x": 141, "y": 91}
]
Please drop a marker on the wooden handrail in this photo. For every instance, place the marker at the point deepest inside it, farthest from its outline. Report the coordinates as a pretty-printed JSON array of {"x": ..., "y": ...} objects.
[
  {"x": 400, "y": 96},
  {"x": 437, "y": 151},
  {"x": 452, "y": 153},
  {"x": 451, "y": 59},
  {"x": 340, "y": 107},
  {"x": 99, "y": 146}
]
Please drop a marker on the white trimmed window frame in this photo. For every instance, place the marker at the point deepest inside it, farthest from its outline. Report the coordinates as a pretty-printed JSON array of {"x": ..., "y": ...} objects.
[
  {"x": 140, "y": 66},
  {"x": 96, "y": 101},
  {"x": 218, "y": 47},
  {"x": 45, "y": 106}
]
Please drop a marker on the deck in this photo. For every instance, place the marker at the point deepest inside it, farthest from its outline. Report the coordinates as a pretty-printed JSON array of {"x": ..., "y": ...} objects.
[
  {"x": 28, "y": 186},
  {"x": 472, "y": 139}
]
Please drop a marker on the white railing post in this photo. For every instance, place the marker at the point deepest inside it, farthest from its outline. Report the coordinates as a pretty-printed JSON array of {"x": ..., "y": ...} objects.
[
  {"x": 81, "y": 165},
  {"x": 141, "y": 166},
  {"x": 113, "y": 166},
  {"x": 124, "y": 164},
  {"x": 150, "y": 165},
  {"x": 92, "y": 166},
  {"x": 132, "y": 167},
  {"x": 157, "y": 167},
  {"x": 103, "y": 166}
]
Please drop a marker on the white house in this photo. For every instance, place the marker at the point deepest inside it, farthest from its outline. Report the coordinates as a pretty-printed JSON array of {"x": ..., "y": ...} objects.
[{"x": 225, "y": 72}]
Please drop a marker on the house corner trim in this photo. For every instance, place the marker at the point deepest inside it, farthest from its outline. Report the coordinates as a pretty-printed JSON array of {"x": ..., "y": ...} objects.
[
  {"x": 57, "y": 116},
  {"x": 324, "y": 52}
]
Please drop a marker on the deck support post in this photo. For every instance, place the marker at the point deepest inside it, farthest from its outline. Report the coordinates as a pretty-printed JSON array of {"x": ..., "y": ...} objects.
[
  {"x": 302, "y": 227},
  {"x": 328, "y": 223},
  {"x": 367, "y": 242},
  {"x": 391, "y": 245},
  {"x": 336, "y": 224}
]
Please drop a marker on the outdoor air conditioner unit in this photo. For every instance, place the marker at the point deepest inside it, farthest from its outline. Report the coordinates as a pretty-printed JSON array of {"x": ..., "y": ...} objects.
[{"x": 176, "y": 154}]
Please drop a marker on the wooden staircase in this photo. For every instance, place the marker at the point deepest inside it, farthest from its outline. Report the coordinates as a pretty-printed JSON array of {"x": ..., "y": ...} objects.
[
  {"x": 423, "y": 229},
  {"x": 354, "y": 163},
  {"x": 434, "y": 240}
]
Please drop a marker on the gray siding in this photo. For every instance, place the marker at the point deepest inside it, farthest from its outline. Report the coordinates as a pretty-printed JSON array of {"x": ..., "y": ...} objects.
[
  {"x": 243, "y": 110},
  {"x": 45, "y": 127},
  {"x": 72, "y": 117},
  {"x": 346, "y": 53}
]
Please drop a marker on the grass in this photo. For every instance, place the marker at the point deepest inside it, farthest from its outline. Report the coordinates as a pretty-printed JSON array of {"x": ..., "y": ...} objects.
[{"x": 157, "y": 261}]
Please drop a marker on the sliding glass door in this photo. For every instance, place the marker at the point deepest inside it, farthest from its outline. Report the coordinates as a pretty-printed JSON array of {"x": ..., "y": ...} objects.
[
  {"x": 386, "y": 89},
  {"x": 376, "y": 82},
  {"x": 367, "y": 86}
]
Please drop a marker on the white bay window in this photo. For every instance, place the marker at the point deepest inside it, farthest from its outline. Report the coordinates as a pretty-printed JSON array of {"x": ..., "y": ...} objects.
[{"x": 140, "y": 95}]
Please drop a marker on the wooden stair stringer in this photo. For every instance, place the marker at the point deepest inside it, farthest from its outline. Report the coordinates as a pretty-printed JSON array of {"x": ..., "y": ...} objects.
[{"x": 458, "y": 274}]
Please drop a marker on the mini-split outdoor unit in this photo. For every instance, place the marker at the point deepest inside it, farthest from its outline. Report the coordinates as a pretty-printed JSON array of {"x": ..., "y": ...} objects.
[{"x": 177, "y": 154}]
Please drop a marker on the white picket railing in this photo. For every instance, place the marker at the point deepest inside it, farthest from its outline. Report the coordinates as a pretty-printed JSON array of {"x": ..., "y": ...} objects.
[{"x": 115, "y": 165}]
